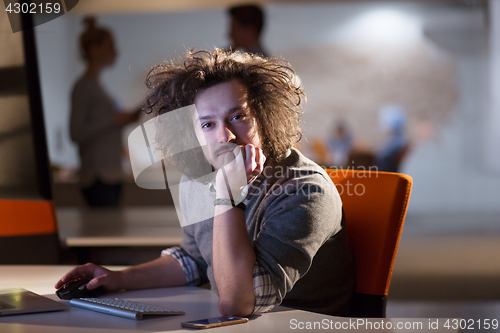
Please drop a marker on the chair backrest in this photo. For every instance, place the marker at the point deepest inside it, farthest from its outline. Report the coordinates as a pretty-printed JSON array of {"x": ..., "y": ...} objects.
[
  {"x": 28, "y": 232},
  {"x": 375, "y": 205}
]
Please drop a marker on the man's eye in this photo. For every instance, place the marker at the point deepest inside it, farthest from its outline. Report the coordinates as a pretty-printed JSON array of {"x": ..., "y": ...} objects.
[{"x": 238, "y": 117}]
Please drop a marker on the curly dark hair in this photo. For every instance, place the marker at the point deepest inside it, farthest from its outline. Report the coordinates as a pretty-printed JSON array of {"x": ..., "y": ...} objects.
[{"x": 274, "y": 95}]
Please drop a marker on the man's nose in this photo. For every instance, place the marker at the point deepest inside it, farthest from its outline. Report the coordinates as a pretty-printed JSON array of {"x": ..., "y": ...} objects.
[{"x": 225, "y": 134}]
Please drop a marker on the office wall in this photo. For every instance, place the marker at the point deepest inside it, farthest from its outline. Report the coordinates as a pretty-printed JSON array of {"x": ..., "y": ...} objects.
[
  {"x": 493, "y": 130},
  {"x": 18, "y": 174},
  {"x": 142, "y": 41},
  {"x": 449, "y": 165}
]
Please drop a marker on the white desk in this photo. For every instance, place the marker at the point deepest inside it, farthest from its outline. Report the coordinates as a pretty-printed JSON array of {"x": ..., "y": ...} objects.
[{"x": 196, "y": 302}]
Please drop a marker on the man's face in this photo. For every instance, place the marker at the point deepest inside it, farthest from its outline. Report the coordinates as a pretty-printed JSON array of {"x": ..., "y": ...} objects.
[{"x": 224, "y": 120}]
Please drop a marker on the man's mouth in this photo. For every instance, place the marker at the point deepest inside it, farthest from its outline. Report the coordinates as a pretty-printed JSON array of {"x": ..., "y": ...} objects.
[
  {"x": 223, "y": 149},
  {"x": 224, "y": 152}
]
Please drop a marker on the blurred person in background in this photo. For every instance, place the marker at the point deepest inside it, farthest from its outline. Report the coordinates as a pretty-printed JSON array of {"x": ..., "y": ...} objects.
[
  {"x": 247, "y": 22},
  {"x": 340, "y": 144},
  {"x": 392, "y": 119},
  {"x": 96, "y": 122}
]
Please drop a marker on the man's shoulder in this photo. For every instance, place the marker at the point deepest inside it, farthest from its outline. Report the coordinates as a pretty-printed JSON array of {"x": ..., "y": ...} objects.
[
  {"x": 299, "y": 160},
  {"x": 294, "y": 179},
  {"x": 299, "y": 166}
]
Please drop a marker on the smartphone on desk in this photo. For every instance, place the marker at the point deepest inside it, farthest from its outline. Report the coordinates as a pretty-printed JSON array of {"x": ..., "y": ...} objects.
[{"x": 214, "y": 322}]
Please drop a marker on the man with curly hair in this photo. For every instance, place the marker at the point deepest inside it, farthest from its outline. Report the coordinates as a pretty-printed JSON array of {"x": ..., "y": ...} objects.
[{"x": 274, "y": 233}]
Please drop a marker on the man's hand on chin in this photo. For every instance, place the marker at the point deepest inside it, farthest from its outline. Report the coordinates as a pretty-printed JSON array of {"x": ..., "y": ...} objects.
[{"x": 241, "y": 166}]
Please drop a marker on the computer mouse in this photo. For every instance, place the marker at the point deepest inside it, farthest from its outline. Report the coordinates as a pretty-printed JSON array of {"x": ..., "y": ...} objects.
[{"x": 78, "y": 289}]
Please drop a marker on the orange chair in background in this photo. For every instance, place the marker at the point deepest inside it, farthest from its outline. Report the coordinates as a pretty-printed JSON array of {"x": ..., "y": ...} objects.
[
  {"x": 28, "y": 232},
  {"x": 375, "y": 205},
  {"x": 320, "y": 149}
]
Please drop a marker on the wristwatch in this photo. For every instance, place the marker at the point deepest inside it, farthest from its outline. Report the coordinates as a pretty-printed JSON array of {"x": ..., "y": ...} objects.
[{"x": 229, "y": 202}]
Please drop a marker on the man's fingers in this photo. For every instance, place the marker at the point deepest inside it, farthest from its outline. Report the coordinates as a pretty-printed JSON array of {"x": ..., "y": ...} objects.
[
  {"x": 258, "y": 162},
  {"x": 75, "y": 272},
  {"x": 97, "y": 282},
  {"x": 110, "y": 280},
  {"x": 86, "y": 270},
  {"x": 241, "y": 166},
  {"x": 240, "y": 150},
  {"x": 250, "y": 162},
  {"x": 229, "y": 157},
  {"x": 261, "y": 160},
  {"x": 59, "y": 284}
]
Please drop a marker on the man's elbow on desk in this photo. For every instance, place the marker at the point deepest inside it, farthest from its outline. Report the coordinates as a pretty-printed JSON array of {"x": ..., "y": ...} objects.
[{"x": 241, "y": 307}]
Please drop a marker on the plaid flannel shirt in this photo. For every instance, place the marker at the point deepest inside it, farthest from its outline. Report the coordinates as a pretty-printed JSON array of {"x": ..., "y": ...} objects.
[{"x": 265, "y": 293}]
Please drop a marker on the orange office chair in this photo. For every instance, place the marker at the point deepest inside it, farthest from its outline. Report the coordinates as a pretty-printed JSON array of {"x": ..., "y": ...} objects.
[
  {"x": 375, "y": 206},
  {"x": 28, "y": 232}
]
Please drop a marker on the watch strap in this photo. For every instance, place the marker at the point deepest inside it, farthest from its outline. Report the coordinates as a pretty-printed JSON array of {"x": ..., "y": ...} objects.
[{"x": 229, "y": 202}]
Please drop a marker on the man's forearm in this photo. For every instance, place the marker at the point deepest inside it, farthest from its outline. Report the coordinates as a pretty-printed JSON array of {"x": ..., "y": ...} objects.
[
  {"x": 165, "y": 271},
  {"x": 233, "y": 262}
]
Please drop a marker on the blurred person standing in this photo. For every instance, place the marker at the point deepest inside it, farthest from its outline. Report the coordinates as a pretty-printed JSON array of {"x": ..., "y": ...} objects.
[
  {"x": 340, "y": 144},
  {"x": 392, "y": 119},
  {"x": 96, "y": 122},
  {"x": 247, "y": 22}
]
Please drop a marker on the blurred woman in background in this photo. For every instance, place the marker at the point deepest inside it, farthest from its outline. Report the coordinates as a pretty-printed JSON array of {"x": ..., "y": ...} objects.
[{"x": 96, "y": 122}]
